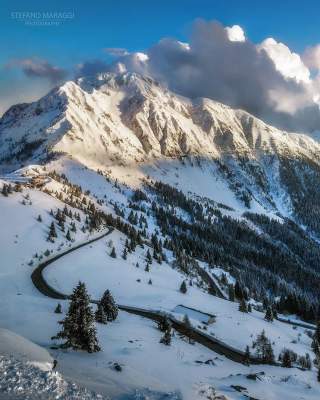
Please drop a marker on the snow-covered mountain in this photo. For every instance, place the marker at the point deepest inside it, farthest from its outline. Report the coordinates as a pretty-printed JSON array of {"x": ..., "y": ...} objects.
[
  {"x": 191, "y": 192},
  {"x": 129, "y": 120},
  {"x": 123, "y": 118}
]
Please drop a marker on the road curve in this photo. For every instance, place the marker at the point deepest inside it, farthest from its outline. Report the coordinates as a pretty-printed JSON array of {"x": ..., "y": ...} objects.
[
  {"x": 192, "y": 333},
  {"x": 38, "y": 279}
]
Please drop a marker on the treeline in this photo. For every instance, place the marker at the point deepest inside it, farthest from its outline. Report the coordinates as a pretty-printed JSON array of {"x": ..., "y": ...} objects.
[{"x": 281, "y": 262}]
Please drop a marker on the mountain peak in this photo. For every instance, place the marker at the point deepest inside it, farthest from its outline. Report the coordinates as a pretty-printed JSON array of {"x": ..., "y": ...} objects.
[{"x": 122, "y": 118}]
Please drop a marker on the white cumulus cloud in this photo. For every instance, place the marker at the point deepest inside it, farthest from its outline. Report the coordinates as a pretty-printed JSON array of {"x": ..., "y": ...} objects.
[
  {"x": 311, "y": 57},
  {"x": 266, "y": 79},
  {"x": 288, "y": 63},
  {"x": 236, "y": 33}
]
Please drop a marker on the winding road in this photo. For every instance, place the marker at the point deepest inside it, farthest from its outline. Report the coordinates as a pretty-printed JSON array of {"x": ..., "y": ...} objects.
[{"x": 193, "y": 333}]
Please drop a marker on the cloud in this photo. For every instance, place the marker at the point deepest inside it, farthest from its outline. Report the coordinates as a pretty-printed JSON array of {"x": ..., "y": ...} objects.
[
  {"x": 311, "y": 57},
  {"x": 220, "y": 63},
  {"x": 236, "y": 33},
  {"x": 266, "y": 79},
  {"x": 91, "y": 67},
  {"x": 39, "y": 68},
  {"x": 116, "y": 51},
  {"x": 288, "y": 63}
]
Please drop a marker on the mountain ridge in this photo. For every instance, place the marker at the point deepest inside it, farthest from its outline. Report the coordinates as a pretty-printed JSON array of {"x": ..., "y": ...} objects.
[
  {"x": 152, "y": 120},
  {"x": 130, "y": 120}
]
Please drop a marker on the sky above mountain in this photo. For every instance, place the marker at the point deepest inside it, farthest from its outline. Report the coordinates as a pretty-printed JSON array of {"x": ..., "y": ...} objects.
[{"x": 264, "y": 58}]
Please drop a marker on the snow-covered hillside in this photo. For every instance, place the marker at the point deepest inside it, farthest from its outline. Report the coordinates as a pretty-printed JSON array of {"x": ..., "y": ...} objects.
[
  {"x": 131, "y": 341},
  {"x": 186, "y": 191},
  {"x": 26, "y": 372},
  {"x": 126, "y": 118},
  {"x": 129, "y": 120}
]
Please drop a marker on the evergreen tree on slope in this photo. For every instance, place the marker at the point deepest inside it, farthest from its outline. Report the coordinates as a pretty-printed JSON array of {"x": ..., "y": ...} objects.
[
  {"x": 269, "y": 314},
  {"x": 100, "y": 315},
  {"x": 109, "y": 306},
  {"x": 78, "y": 327},
  {"x": 166, "y": 338},
  {"x": 263, "y": 348}
]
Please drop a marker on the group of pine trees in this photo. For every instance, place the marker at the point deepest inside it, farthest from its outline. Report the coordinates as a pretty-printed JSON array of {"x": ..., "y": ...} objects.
[
  {"x": 263, "y": 348},
  {"x": 60, "y": 217},
  {"x": 244, "y": 306},
  {"x": 288, "y": 358},
  {"x": 281, "y": 263},
  {"x": 107, "y": 309},
  {"x": 315, "y": 345},
  {"x": 301, "y": 178},
  {"x": 78, "y": 329},
  {"x": 73, "y": 196},
  {"x": 8, "y": 189}
]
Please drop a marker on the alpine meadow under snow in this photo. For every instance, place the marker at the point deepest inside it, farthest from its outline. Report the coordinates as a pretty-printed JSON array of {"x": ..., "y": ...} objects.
[{"x": 156, "y": 247}]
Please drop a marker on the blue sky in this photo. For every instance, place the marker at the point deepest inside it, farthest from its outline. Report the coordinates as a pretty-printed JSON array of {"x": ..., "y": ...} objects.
[
  {"x": 33, "y": 59},
  {"x": 138, "y": 24}
]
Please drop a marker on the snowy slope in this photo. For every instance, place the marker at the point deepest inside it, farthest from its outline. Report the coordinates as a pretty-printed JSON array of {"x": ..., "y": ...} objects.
[
  {"x": 125, "y": 118},
  {"x": 129, "y": 285},
  {"x": 131, "y": 341},
  {"x": 26, "y": 372},
  {"x": 133, "y": 131},
  {"x": 114, "y": 120},
  {"x": 18, "y": 347}
]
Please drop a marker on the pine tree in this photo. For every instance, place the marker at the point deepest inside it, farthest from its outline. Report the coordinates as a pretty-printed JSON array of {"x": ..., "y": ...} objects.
[
  {"x": 166, "y": 338},
  {"x": 275, "y": 313},
  {"x": 305, "y": 362},
  {"x": 246, "y": 358},
  {"x": 149, "y": 257},
  {"x": 5, "y": 190},
  {"x": 78, "y": 327},
  {"x": 316, "y": 335},
  {"x": 183, "y": 287},
  {"x": 249, "y": 307},
  {"x": 68, "y": 236},
  {"x": 308, "y": 363},
  {"x": 150, "y": 282},
  {"x": 113, "y": 253},
  {"x": 109, "y": 306},
  {"x": 147, "y": 268},
  {"x": 124, "y": 253},
  {"x": 269, "y": 314},
  {"x": 286, "y": 359},
  {"x": 186, "y": 322},
  {"x": 100, "y": 315},
  {"x": 243, "y": 306},
  {"x": 318, "y": 374},
  {"x": 39, "y": 219},
  {"x": 264, "y": 349},
  {"x": 164, "y": 323},
  {"x": 73, "y": 227},
  {"x": 58, "y": 309},
  {"x": 61, "y": 224},
  {"x": 238, "y": 291},
  {"x": 231, "y": 293},
  {"x": 52, "y": 232}
]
